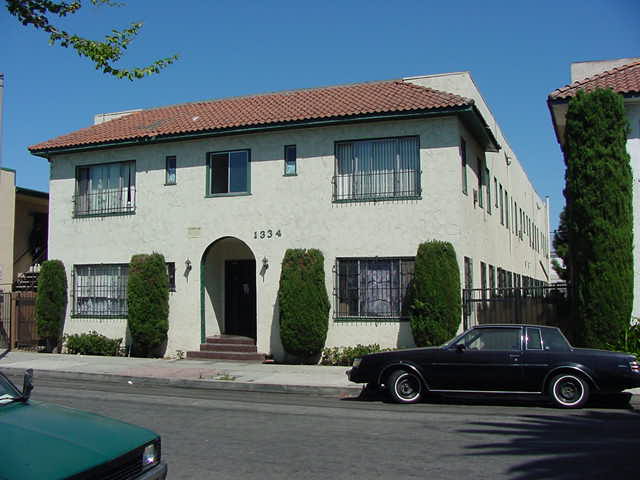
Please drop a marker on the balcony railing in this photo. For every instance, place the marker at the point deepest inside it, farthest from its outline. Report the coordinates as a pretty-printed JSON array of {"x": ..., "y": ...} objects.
[
  {"x": 377, "y": 185},
  {"x": 106, "y": 202}
]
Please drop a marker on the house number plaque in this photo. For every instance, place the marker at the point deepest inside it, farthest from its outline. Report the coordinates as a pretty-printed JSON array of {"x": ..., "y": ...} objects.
[{"x": 262, "y": 234}]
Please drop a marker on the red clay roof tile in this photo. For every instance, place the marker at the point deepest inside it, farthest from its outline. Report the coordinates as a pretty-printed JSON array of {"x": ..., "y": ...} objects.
[
  {"x": 261, "y": 110},
  {"x": 623, "y": 79}
]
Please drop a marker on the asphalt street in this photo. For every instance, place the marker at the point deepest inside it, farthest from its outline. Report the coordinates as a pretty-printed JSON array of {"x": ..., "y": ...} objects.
[{"x": 242, "y": 435}]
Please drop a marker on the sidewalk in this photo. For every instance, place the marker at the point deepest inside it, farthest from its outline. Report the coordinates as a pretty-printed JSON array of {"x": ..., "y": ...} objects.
[
  {"x": 214, "y": 374},
  {"x": 208, "y": 374}
]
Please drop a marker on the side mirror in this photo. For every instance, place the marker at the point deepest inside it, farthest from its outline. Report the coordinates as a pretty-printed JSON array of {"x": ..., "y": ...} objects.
[
  {"x": 460, "y": 347},
  {"x": 27, "y": 384}
]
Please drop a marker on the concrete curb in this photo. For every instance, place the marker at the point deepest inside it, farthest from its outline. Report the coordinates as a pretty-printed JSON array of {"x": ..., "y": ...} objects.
[{"x": 318, "y": 390}]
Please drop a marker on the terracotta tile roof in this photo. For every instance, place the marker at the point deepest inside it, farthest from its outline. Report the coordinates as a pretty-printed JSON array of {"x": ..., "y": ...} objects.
[
  {"x": 623, "y": 79},
  {"x": 261, "y": 110}
]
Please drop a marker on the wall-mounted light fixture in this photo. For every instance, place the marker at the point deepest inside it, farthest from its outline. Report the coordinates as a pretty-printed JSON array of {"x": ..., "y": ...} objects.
[
  {"x": 265, "y": 263},
  {"x": 187, "y": 264}
]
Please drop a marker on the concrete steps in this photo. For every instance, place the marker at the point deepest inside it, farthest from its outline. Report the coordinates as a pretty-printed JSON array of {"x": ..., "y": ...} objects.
[{"x": 228, "y": 347}]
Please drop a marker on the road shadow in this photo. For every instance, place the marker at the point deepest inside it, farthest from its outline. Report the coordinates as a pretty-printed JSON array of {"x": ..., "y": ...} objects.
[
  {"x": 615, "y": 402},
  {"x": 578, "y": 445}
]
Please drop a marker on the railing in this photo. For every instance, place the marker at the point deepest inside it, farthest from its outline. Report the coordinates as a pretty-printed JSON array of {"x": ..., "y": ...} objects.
[
  {"x": 376, "y": 185},
  {"x": 120, "y": 201}
]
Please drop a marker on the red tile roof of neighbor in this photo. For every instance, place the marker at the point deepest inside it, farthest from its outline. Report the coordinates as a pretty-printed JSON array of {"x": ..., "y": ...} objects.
[
  {"x": 261, "y": 110},
  {"x": 623, "y": 79}
]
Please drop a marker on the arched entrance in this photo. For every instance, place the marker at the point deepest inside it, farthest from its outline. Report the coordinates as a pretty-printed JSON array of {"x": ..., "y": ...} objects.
[{"x": 228, "y": 289}]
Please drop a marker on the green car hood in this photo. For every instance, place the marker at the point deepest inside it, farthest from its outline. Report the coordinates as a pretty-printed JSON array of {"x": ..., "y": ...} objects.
[{"x": 48, "y": 441}]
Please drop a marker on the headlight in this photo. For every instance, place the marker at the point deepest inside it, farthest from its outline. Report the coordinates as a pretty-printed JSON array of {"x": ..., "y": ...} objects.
[
  {"x": 356, "y": 362},
  {"x": 150, "y": 456}
]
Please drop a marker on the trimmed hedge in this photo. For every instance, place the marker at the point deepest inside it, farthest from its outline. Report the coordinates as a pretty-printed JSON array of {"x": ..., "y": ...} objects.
[
  {"x": 51, "y": 302},
  {"x": 435, "y": 297},
  {"x": 148, "y": 303},
  {"x": 92, "y": 343},
  {"x": 304, "y": 304},
  {"x": 599, "y": 191},
  {"x": 343, "y": 356}
]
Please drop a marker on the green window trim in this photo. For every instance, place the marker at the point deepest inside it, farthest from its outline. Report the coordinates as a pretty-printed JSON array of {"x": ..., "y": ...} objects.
[
  {"x": 228, "y": 170},
  {"x": 463, "y": 160}
]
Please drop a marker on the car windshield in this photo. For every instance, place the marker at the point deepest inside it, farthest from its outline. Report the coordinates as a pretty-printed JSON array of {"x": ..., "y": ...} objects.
[{"x": 7, "y": 392}]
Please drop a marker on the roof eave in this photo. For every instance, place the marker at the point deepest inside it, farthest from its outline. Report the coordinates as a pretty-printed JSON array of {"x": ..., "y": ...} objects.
[{"x": 151, "y": 139}]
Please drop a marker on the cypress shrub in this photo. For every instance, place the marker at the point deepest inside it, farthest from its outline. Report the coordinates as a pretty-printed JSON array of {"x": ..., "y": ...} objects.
[
  {"x": 436, "y": 307},
  {"x": 303, "y": 302},
  {"x": 51, "y": 302},
  {"x": 599, "y": 213},
  {"x": 148, "y": 303}
]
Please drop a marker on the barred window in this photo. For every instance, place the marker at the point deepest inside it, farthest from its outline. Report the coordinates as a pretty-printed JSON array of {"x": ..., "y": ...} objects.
[
  {"x": 100, "y": 290},
  {"x": 377, "y": 169},
  {"x": 106, "y": 189},
  {"x": 373, "y": 287}
]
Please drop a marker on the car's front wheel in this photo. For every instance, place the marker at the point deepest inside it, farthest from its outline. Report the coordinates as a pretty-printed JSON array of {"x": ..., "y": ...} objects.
[
  {"x": 404, "y": 386},
  {"x": 569, "y": 390}
]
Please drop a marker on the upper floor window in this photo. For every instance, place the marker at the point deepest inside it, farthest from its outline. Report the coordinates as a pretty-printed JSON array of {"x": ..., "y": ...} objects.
[
  {"x": 481, "y": 182},
  {"x": 377, "y": 169},
  {"x": 228, "y": 172},
  {"x": 105, "y": 189},
  {"x": 373, "y": 287},
  {"x": 487, "y": 176},
  {"x": 290, "y": 160},
  {"x": 463, "y": 164},
  {"x": 170, "y": 170}
]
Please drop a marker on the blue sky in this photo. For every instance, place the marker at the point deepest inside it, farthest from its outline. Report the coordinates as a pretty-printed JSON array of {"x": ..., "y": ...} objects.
[{"x": 518, "y": 52}]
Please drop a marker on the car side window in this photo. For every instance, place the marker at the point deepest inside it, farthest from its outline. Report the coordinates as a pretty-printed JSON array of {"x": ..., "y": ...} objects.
[
  {"x": 534, "y": 339},
  {"x": 554, "y": 341},
  {"x": 488, "y": 339}
]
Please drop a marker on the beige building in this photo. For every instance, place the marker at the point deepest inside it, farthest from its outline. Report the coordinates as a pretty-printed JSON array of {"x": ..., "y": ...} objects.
[
  {"x": 23, "y": 230},
  {"x": 222, "y": 188},
  {"x": 622, "y": 76}
]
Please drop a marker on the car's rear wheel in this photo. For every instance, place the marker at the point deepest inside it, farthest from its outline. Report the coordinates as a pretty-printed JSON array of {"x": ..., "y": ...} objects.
[
  {"x": 569, "y": 390},
  {"x": 404, "y": 386}
]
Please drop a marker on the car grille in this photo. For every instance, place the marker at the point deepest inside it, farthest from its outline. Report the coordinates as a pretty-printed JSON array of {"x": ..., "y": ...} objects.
[{"x": 125, "y": 467}]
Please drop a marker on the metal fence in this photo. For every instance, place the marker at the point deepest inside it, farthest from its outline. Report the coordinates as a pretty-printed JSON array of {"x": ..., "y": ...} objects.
[
  {"x": 538, "y": 305},
  {"x": 5, "y": 321},
  {"x": 25, "y": 318}
]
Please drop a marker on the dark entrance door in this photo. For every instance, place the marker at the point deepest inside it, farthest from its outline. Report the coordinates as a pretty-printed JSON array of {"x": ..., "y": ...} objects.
[{"x": 240, "y": 298}]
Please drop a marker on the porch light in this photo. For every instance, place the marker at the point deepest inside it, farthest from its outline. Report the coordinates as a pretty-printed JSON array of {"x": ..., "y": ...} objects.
[
  {"x": 265, "y": 263},
  {"x": 187, "y": 264}
]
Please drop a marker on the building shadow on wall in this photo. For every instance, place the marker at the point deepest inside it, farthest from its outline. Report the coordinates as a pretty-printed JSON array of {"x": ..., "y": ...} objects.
[{"x": 594, "y": 444}]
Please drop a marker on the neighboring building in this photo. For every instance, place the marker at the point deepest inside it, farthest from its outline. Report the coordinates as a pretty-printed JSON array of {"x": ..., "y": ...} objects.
[
  {"x": 364, "y": 172},
  {"x": 23, "y": 232},
  {"x": 622, "y": 76}
]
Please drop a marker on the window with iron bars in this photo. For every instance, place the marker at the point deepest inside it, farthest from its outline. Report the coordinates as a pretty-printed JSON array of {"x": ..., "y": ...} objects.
[
  {"x": 372, "y": 288},
  {"x": 100, "y": 290},
  {"x": 106, "y": 189},
  {"x": 387, "y": 168}
]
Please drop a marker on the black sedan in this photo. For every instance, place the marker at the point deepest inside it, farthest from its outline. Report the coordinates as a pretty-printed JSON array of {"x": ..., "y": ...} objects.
[{"x": 513, "y": 359}]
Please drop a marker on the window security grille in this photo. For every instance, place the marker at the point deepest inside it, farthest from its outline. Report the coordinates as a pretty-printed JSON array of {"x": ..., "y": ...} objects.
[
  {"x": 100, "y": 290},
  {"x": 377, "y": 169},
  {"x": 373, "y": 287},
  {"x": 105, "y": 189}
]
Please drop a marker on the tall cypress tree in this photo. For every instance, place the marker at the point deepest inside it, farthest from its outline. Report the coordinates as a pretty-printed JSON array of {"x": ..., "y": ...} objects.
[{"x": 599, "y": 216}]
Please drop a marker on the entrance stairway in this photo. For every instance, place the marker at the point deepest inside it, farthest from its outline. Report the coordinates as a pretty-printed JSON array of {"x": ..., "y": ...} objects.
[{"x": 228, "y": 347}]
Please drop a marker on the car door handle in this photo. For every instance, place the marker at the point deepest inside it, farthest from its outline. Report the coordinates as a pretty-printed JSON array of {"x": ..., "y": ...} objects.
[{"x": 514, "y": 356}]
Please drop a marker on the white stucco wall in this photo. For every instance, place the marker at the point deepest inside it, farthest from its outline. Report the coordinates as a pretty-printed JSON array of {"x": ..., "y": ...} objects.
[
  {"x": 632, "y": 107},
  {"x": 180, "y": 222},
  {"x": 7, "y": 226}
]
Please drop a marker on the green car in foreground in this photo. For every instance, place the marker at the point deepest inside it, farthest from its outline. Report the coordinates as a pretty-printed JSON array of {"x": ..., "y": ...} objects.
[{"x": 44, "y": 441}]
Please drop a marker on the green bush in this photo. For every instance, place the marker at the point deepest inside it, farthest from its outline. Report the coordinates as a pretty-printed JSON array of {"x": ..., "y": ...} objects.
[
  {"x": 343, "y": 356},
  {"x": 599, "y": 217},
  {"x": 92, "y": 343},
  {"x": 303, "y": 303},
  {"x": 435, "y": 304},
  {"x": 148, "y": 303},
  {"x": 51, "y": 302},
  {"x": 629, "y": 341}
]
